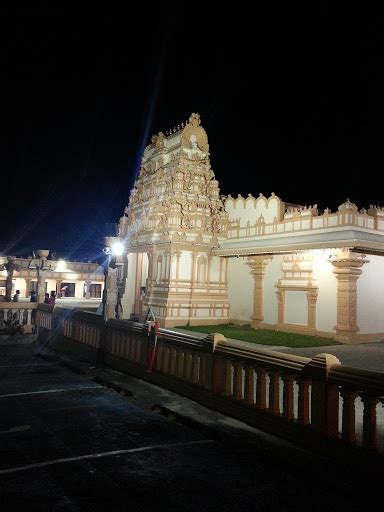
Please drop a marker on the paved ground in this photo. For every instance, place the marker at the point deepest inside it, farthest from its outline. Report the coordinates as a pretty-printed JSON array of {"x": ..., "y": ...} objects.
[{"x": 69, "y": 443}]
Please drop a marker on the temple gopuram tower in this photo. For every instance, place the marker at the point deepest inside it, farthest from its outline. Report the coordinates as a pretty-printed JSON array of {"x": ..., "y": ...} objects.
[{"x": 174, "y": 220}]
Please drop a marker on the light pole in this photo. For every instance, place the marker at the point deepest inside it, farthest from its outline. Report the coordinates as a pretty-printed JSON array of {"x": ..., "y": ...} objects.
[{"x": 41, "y": 265}]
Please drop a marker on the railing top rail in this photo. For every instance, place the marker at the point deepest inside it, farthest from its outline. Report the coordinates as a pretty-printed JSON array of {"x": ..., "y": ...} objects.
[
  {"x": 48, "y": 308},
  {"x": 18, "y": 305},
  {"x": 264, "y": 357},
  {"x": 356, "y": 378}
]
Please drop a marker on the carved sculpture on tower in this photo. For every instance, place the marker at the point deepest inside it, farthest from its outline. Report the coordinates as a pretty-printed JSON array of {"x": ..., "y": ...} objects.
[{"x": 174, "y": 218}]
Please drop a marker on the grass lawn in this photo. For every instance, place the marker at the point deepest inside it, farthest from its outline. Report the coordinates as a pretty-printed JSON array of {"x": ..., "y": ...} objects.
[{"x": 263, "y": 336}]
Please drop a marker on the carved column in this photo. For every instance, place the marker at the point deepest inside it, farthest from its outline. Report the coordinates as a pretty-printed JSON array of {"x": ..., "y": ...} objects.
[
  {"x": 258, "y": 266},
  {"x": 139, "y": 269},
  {"x": 111, "y": 287},
  {"x": 312, "y": 301},
  {"x": 347, "y": 269}
]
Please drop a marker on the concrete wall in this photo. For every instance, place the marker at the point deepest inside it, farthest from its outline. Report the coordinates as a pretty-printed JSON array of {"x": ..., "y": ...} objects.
[
  {"x": 250, "y": 209},
  {"x": 272, "y": 275},
  {"x": 327, "y": 292},
  {"x": 370, "y": 296},
  {"x": 240, "y": 290}
]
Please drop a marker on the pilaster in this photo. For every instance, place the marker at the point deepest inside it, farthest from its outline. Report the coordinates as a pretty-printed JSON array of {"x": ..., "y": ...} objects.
[
  {"x": 258, "y": 266},
  {"x": 347, "y": 269}
]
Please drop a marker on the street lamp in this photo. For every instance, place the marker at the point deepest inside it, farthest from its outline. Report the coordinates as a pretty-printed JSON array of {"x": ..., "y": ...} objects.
[
  {"x": 114, "y": 251},
  {"x": 41, "y": 265}
]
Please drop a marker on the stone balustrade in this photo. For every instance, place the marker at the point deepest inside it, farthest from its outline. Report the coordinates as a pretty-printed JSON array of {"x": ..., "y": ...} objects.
[
  {"x": 304, "y": 223},
  {"x": 316, "y": 402},
  {"x": 19, "y": 312}
]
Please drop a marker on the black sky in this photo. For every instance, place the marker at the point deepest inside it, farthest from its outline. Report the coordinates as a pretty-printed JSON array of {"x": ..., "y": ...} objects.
[{"x": 291, "y": 98}]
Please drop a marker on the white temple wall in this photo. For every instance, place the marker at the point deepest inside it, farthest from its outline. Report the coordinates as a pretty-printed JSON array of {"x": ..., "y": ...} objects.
[
  {"x": 214, "y": 269},
  {"x": 250, "y": 209},
  {"x": 370, "y": 296},
  {"x": 144, "y": 273},
  {"x": 240, "y": 290},
  {"x": 296, "y": 308},
  {"x": 185, "y": 265},
  {"x": 272, "y": 275},
  {"x": 326, "y": 310}
]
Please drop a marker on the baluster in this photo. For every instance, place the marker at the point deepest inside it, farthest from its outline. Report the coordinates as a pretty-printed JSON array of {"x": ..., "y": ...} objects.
[
  {"x": 288, "y": 381},
  {"x": 29, "y": 316},
  {"x": 131, "y": 343},
  {"x": 238, "y": 381},
  {"x": 195, "y": 368},
  {"x": 218, "y": 374},
  {"x": 249, "y": 385},
  {"x": 21, "y": 316},
  {"x": 348, "y": 432},
  {"x": 173, "y": 356},
  {"x": 369, "y": 420},
  {"x": 274, "y": 393},
  {"x": 158, "y": 356},
  {"x": 188, "y": 365},
  {"x": 202, "y": 372},
  {"x": 228, "y": 377},
  {"x": 139, "y": 342},
  {"x": 303, "y": 406},
  {"x": 180, "y": 363},
  {"x": 261, "y": 389},
  {"x": 165, "y": 360}
]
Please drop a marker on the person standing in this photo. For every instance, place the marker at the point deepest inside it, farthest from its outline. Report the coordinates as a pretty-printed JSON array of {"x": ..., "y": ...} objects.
[
  {"x": 34, "y": 311},
  {"x": 52, "y": 298},
  {"x": 153, "y": 329},
  {"x": 16, "y": 296},
  {"x": 46, "y": 298}
]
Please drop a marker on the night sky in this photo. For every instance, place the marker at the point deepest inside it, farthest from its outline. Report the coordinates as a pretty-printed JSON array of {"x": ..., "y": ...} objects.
[{"x": 292, "y": 100}]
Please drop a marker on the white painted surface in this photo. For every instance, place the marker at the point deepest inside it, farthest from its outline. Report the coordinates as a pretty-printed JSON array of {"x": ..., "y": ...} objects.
[
  {"x": 326, "y": 311},
  {"x": 250, "y": 209},
  {"x": 240, "y": 290},
  {"x": 272, "y": 275},
  {"x": 296, "y": 307},
  {"x": 185, "y": 265},
  {"x": 370, "y": 296}
]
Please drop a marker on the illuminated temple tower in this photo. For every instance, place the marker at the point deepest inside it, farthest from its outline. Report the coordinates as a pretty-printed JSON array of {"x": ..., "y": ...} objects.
[{"x": 174, "y": 220}]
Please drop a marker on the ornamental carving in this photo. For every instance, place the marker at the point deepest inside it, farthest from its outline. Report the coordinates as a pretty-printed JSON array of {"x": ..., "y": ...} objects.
[
  {"x": 158, "y": 140},
  {"x": 194, "y": 133}
]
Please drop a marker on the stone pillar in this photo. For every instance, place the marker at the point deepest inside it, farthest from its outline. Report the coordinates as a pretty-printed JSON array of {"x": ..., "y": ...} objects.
[
  {"x": 111, "y": 293},
  {"x": 139, "y": 269},
  {"x": 324, "y": 396},
  {"x": 347, "y": 269},
  {"x": 312, "y": 302},
  {"x": 258, "y": 266}
]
